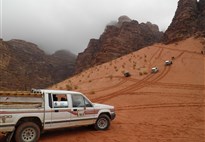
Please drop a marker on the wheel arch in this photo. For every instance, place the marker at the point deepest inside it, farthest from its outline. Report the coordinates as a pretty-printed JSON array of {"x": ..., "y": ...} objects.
[
  {"x": 35, "y": 120},
  {"x": 106, "y": 113}
]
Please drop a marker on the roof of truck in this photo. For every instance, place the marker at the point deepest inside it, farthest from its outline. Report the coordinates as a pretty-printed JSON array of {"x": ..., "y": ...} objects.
[{"x": 54, "y": 91}]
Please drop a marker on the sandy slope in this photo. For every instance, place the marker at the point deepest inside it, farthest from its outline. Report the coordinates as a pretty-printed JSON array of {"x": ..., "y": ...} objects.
[{"x": 164, "y": 107}]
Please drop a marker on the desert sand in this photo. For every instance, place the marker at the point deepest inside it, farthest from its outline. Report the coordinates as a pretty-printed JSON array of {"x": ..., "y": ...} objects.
[{"x": 167, "y": 106}]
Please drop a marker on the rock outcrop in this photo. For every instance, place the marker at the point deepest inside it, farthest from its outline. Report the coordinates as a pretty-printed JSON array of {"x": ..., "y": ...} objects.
[
  {"x": 124, "y": 37},
  {"x": 189, "y": 20},
  {"x": 24, "y": 66}
]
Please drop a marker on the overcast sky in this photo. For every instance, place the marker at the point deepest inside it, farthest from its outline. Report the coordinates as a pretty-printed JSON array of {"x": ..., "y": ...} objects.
[{"x": 70, "y": 24}]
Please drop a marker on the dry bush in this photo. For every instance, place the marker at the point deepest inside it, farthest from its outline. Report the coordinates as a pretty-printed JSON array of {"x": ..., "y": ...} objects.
[
  {"x": 134, "y": 66},
  {"x": 76, "y": 87},
  {"x": 140, "y": 73},
  {"x": 92, "y": 92},
  {"x": 68, "y": 87},
  {"x": 145, "y": 72},
  {"x": 110, "y": 76}
]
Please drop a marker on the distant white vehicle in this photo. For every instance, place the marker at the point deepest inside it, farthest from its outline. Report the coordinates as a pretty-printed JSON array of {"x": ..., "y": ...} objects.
[
  {"x": 154, "y": 70},
  {"x": 167, "y": 62},
  {"x": 127, "y": 74},
  {"x": 25, "y": 115}
]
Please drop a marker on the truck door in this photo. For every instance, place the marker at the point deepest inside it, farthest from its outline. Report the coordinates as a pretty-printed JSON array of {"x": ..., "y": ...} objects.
[
  {"x": 60, "y": 114},
  {"x": 82, "y": 112}
]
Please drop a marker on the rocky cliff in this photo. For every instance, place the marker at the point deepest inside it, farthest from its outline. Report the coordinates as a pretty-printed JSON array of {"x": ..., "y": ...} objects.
[
  {"x": 123, "y": 37},
  {"x": 189, "y": 20},
  {"x": 24, "y": 66}
]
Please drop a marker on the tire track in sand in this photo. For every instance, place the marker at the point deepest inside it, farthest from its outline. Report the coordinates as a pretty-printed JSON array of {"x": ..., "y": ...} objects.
[
  {"x": 148, "y": 80},
  {"x": 136, "y": 86},
  {"x": 116, "y": 93},
  {"x": 156, "y": 106}
]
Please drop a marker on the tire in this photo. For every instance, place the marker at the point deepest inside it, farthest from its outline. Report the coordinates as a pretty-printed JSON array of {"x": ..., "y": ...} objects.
[
  {"x": 103, "y": 122},
  {"x": 27, "y": 132}
]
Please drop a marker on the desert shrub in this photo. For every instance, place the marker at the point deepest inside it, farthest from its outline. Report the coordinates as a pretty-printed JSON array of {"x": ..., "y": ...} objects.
[
  {"x": 75, "y": 87},
  {"x": 134, "y": 66},
  {"x": 140, "y": 73},
  {"x": 110, "y": 76},
  {"x": 145, "y": 72},
  {"x": 92, "y": 92},
  {"x": 68, "y": 87}
]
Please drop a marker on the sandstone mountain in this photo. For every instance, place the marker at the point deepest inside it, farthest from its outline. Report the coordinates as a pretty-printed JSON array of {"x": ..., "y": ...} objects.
[
  {"x": 23, "y": 66},
  {"x": 189, "y": 20},
  {"x": 124, "y": 37}
]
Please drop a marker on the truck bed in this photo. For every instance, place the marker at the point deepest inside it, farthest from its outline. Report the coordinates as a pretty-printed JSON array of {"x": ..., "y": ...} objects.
[{"x": 20, "y": 99}]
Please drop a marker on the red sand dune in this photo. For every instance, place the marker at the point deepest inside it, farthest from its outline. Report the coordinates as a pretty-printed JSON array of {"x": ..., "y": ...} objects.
[{"x": 164, "y": 107}]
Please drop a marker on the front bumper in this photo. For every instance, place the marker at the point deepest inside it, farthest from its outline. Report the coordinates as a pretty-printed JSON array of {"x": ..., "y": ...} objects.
[{"x": 112, "y": 116}]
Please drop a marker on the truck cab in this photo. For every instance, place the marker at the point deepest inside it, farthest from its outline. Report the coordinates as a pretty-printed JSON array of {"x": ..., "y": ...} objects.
[{"x": 72, "y": 109}]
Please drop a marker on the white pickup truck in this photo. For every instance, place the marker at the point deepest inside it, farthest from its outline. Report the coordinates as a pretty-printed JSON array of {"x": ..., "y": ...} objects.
[{"x": 25, "y": 115}]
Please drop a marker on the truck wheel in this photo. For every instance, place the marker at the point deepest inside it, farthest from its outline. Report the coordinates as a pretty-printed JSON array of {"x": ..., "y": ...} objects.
[
  {"x": 102, "y": 123},
  {"x": 27, "y": 132}
]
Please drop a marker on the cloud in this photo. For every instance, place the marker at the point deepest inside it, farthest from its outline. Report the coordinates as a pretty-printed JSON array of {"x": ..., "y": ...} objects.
[{"x": 70, "y": 24}]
